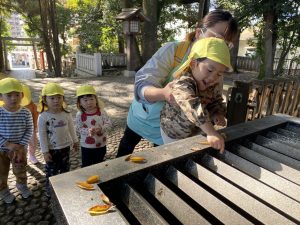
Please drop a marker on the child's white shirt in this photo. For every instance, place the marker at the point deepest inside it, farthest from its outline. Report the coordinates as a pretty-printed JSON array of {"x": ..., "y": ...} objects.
[{"x": 56, "y": 131}]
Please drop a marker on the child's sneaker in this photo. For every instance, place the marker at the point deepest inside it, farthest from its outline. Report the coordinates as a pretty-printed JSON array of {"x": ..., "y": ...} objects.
[
  {"x": 6, "y": 196},
  {"x": 33, "y": 159},
  {"x": 23, "y": 189}
]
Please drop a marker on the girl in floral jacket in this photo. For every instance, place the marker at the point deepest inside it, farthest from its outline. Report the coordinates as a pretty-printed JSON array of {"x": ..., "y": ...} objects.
[{"x": 92, "y": 123}]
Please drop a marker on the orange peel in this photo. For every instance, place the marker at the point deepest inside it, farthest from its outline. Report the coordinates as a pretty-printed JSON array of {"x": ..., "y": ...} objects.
[
  {"x": 106, "y": 200},
  {"x": 99, "y": 209},
  {"x": 135, "y": 159},
  {"x": 85, "y": 185},
  {"x": 93, "y": 179}
]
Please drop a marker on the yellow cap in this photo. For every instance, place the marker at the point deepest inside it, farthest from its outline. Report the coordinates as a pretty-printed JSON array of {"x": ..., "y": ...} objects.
[
  {"x": 10, "y": 84},
  {"x": 89, "y": 90},
  {"x": 27, "y": 95},
  {"x": 212, "y": 48},
  {"x": 85, "y": 90},
  {"x": 52, "y": 89}
]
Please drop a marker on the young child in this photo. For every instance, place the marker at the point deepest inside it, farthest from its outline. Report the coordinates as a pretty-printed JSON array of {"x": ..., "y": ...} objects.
[
  {"x": 56, "y": 131},
  {"x": 197, "y": 96},
  {"x": 15, "y": 132},
  {"x": 91, "y": 123},
  {"x": 29, "y": 104}
]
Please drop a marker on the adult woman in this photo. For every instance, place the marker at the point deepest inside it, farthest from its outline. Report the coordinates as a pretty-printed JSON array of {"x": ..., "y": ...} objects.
[{"x": 150, "y": 88}]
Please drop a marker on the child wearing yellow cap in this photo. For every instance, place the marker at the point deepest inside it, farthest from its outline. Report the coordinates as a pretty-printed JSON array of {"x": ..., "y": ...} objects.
[
  {"x": 197, "y": 95},
  {"x": 15, "y": 132},
  {"x": 56, "y": 131},
  {"x": 29, "y": 104},
  {"x": 92, "y": 123}
]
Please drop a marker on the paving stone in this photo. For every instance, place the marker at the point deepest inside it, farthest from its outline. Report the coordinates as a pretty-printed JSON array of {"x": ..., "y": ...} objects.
[
  {"x": 10, "y": 223},
  {"x": 5, "y": 219},
  {"x": 27, "y": 215},
  {"x": 19, "y": 212},
  {"x": 23, "y": 222},
  {"x": 17, "y": 219},
  {"x": 10, "y": 209},
  {"x": 43, "y": 223},
  {"x": 39, "y": 211},
  {"x": 35, "y": 218}
]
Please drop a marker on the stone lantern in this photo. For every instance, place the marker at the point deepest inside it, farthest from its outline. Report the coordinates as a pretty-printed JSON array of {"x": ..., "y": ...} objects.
[{"x": 131, "y": 17}]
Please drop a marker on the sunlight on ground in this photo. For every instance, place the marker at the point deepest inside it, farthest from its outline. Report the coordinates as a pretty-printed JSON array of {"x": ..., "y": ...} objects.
[{"x": 2, "y": 75}]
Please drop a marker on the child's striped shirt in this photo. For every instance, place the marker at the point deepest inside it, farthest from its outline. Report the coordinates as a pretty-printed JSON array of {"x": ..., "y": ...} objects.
[{"x": 15, "y": 127}]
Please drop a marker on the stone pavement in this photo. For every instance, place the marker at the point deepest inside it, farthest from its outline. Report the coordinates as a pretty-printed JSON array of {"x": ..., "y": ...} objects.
[{"x": 117, "y": 93}]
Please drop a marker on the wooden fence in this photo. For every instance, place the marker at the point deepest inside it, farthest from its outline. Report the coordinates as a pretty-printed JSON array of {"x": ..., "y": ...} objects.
[
  {"x": 95, "y": 64},
  {"x": 255, "y": 99},
  {"x": 290, "y": 67}
]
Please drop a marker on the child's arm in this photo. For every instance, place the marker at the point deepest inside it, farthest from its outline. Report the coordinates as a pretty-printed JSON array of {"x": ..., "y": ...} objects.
[
  {"x": 72, "y": 131},
  {"x": 106, "y": 120},
  {"x": 213, "y": 137},
  {"x": 80, "y": 127},
  {"x": 43, "y": 136},
  {"x": 28, "y": 130},
  {"x": 217, "y": 108}
]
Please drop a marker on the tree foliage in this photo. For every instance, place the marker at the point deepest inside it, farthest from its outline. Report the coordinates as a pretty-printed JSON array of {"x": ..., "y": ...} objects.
[{"x": 277, "y": 23}]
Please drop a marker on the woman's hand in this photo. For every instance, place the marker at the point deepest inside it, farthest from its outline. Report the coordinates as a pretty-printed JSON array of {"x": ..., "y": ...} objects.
[
  {"x": 216, "y": 141},
  {"x": 167, "y": 91}
]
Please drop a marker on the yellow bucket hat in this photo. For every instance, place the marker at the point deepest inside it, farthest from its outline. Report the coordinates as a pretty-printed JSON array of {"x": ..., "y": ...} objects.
[
  {"x": 8, "y": 85},
  {"x": 85, "y": 90},
  {"x": 27, "y": 95},
  {"x": 212, "y": 48},
  {"x": 89, "y": 90},
  {"x": 50, "y": 89}
]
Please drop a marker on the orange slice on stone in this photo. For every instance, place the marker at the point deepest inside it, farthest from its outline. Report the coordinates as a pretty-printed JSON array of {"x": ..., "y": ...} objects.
[
  {"x": 99, "y": 209},
  {"x": 93, "y": 179},
  {"x": 85, "y": 185}
]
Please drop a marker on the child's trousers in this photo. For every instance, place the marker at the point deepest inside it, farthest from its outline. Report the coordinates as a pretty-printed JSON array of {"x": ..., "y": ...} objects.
[
  {"x": 60, "y": 162},
  {"x": 18, "y": 168}
]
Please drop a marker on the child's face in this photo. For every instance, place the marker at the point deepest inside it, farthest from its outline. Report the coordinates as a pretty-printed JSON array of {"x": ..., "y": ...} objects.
[
  {"x": 207, "y": 73},
  {"x": 54, "y": 102},
  {"x": 12, "y": 100},
  {"x": 89, "y": 103}
]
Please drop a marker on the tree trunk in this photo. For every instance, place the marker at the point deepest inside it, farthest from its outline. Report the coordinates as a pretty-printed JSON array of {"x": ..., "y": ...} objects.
[
  {"x": 56, "y": 47},
  {"x": 268, "y": 42},
  {"x": 149, "y": 42},
  {"x": 285, "y": 50},
  {"x": 234, "y": 52},
  {"x": 206, "y": 7},
  {"x": 201, "y": 9},
  {"x": 43, "y": 4},
  {"x": 1, "y": 57},
  {"x": 125, "y": 4},
  {"x": 1, "y": 47}
]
